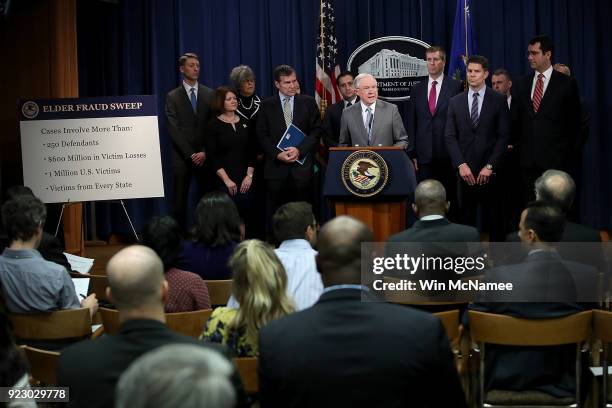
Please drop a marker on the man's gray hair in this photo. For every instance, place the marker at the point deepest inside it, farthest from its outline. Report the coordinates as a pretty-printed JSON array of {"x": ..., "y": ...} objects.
[
  {"x": 556, "y": 187},
  {"x": 177, "y": 375},
  {"x": 359, "y": 77}
]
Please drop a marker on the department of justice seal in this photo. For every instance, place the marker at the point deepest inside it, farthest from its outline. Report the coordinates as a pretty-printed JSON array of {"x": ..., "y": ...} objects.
[
  {"x": 364, "y": 173},
  {"x": 30, "y": 109}
]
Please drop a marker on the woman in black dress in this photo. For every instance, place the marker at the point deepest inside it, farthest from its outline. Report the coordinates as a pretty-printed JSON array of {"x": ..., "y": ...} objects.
[{"x": 231, "y": 149}]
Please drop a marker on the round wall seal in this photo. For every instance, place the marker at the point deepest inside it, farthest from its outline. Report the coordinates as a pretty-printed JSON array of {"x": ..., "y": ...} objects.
[
  {"x": 364, "y": 173},
  {"x": 30, "y": 109}
]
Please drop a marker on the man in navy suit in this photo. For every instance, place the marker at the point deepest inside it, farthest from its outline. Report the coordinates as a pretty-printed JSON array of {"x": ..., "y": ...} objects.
[
  {"x": 549, "y": 116},
  {"x": 427, "y": 120},
  {"x": 286, "y": 179},
  {"x": 333, "y": 114},
  {"x": 476, "y": 136},
  {"x": 187, "y": 112}
]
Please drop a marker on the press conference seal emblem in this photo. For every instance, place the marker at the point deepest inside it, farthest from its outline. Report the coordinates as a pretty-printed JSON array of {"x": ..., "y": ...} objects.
[
  {"x": 30, "y": 109},
  {"x": 364, "y": 173}
]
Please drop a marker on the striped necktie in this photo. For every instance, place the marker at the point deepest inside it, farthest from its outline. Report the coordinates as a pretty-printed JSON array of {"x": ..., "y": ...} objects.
[
  {"x": 474, "y": 113},
  {"x": 287, "y": 111},
  {"x": 537, "y": 93}
]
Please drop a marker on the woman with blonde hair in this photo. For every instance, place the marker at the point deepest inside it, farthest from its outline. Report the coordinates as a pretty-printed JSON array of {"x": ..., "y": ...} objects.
[{"x": 260, "y": 287}]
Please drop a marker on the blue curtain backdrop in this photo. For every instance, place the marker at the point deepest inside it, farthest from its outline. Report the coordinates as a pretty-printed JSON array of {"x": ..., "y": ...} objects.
[{"x": 131, "y": 47}]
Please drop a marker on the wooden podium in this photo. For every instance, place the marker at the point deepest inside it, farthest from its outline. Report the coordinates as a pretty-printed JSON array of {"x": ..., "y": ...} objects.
[{"x": 385, "y": 212}]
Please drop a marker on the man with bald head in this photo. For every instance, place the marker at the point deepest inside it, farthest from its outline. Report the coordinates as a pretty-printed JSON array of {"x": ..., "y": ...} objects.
[
  {"x": 430, "y": 206},
  {"x": 369, "y": 353},
  {"x": 138, "y": 289}
]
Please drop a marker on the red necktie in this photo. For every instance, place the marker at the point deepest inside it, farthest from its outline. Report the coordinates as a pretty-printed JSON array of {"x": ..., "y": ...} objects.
[
  {"x": 432, "y": 98},
  {"x": 537, "y": 93}
]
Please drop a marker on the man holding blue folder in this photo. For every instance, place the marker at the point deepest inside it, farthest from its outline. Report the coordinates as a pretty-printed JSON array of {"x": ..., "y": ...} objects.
[{"x": 288, "y": 126}]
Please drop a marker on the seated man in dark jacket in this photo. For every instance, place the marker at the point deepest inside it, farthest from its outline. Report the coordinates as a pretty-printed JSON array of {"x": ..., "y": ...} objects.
[{"x": 138, "y": 288}]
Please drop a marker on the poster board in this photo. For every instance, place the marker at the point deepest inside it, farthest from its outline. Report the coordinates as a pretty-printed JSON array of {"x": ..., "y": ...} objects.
[{"x": 91, "y": 149}]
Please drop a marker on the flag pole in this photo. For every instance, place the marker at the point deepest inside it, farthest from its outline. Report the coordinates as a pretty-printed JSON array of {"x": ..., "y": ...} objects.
[{"x": 323, "y": 105}]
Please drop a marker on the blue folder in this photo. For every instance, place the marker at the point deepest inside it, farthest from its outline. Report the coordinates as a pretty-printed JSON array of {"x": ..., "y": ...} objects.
[{"x": 292, "y": 137}]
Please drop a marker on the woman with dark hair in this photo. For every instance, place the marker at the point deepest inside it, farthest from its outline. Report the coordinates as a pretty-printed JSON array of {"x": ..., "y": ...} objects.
[
  {"x": 231, "y": 150},
  {"x": 186, "y": 290},
  {"x": 216, "y": 232}
]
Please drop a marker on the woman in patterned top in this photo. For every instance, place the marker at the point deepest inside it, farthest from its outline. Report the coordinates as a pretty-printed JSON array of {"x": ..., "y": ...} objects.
[
  {"x": 260, "y": 286},
  {"x": 186, "y": 290}
]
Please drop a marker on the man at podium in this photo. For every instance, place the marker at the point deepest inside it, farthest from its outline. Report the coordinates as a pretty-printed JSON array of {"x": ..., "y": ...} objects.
[{"x": 371, "y": 122}]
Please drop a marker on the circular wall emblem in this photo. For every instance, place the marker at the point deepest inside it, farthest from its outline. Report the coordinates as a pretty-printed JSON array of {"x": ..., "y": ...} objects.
[
  {"x": 29, "y": 109},
  {"x": 364, "y": 173},
  {"x": 397, "y": 63}
]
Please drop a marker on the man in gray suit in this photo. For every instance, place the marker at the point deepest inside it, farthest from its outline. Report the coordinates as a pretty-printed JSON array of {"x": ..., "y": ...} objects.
[{"x": 371, "y": 122}]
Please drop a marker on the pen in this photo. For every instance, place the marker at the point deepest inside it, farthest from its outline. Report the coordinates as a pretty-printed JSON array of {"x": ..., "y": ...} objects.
[{"x": 83, "y": 296}]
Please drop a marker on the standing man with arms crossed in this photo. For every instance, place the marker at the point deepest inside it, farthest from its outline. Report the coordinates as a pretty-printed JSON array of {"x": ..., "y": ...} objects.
[
  {"x": 476, "y": 136},
  {"x": 428, "y": 108},
  {"x": 286, "y": 179},
  {"x": 549, "y": 116},
  {"x": 187, "y": 112}
]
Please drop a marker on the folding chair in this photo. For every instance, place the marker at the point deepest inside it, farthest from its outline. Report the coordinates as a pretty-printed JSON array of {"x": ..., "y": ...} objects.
[
  {"x": 602, "y": 327},
  {"x": 219, "y": 291},
  {"x": 511, "y": 331},
  {"x": 247, "y": 368},
  {"x": 42, "y": 364}
]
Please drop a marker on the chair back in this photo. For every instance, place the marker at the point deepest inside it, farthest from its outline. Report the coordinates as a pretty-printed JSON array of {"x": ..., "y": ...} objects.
[
  {"x": 602, "y": 325},
  {"x": 450, "y": 321},
  {"x": 247, "y": 369},
  {"x": 188, "y": 323},
  {"x": 58, "y": 325},
  {"x": 415, "y": 298},
  {"x": 512, "y": 331},
  {"x": 219, "y": 291},
  {"x": 97, "y": 285},
  {"x": 42, "y": 364},
  {"x": 110, "y": 320}
]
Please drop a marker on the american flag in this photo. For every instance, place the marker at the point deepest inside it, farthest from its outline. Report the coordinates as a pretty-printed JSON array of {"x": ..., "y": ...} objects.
[{"x": 327, "y": 49}]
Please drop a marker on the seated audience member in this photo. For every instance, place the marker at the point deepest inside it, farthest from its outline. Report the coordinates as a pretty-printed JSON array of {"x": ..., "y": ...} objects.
[
  {"x": 558, "y": 188},
  {"x": 186, "y": 290},
  {"x": 295, "y": 228},
  {"x": 181, "y": 375},
  {"x": 137, "y": 287},
  {"x": 369, "y": 353},
  {"x": 13, "y": 367},
  {"x": 544, "y": 286},
  {"x": 30, "y": 283},
  {"x": 260, "y": 287},
  {"x": 431, "y": 207},
  {"x": 217, "y": 231},
  {"x": 50, "y": 247}
]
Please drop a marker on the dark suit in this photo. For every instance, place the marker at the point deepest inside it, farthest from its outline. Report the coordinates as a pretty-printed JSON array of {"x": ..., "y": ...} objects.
[
  {"x": 92, "y": 368},
  {"x": 331, "y": 123},
  {"x": 543, "y": 276},
  {"x": 186, "y": 130},
  {"x": 288, "y": 181},
  {"x": 548, "y": 138},
  {"x": 477, "y": 147},
  {"x": 440, "y": 230},
  {"x": 343, "y": 352}
]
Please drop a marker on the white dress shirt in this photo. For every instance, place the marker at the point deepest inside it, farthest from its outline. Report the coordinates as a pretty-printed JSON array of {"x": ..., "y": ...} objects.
[
  {"x": 546, "y": 80},
  {"x": 364, "y": 113},
  {"x": 438, "y": 86},
  {"x": 481, "y": 94},
  {"x": 304, "y": 285},
  {"x": 188, "y": 89}
]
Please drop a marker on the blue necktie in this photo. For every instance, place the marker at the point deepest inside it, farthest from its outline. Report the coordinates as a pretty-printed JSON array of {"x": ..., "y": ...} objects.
[
  {"x": 194, "y": 100},
  {"x": 474, "y": 114},
  {"x": 369, "y": 120}
]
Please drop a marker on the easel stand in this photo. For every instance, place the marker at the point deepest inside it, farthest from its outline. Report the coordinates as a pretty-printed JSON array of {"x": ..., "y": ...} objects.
[{"x": 72, "y": 215}]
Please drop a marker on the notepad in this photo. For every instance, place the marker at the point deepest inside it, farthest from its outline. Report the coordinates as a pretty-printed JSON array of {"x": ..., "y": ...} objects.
[{"x": 79, "y": 263}]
